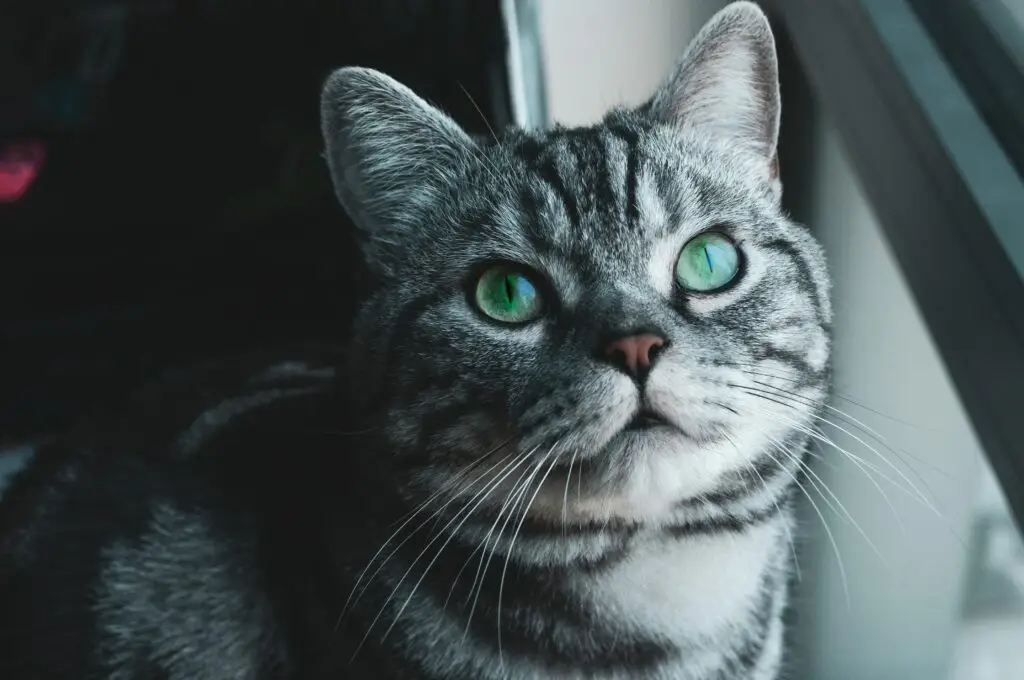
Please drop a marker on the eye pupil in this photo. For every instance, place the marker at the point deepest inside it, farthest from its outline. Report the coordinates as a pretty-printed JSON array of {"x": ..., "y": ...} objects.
[{"x": 510, "y": 292}]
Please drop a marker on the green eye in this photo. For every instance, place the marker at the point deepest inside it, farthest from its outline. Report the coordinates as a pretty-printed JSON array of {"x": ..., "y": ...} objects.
[
  {"x": 707, "y": 262},
  {"x": 504, "y": 293}
]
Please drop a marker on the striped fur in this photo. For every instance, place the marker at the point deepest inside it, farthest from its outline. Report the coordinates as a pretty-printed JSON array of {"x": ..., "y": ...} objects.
[
  {"x": 483, "y": 512},
  {"x": 657, "y": 554}
]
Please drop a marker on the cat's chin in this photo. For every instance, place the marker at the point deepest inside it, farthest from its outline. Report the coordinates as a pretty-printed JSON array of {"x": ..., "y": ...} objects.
[
  {"x": 646, "y": 420},
  {"x": 651, "y": 435},
  {"x": 638, "y": 477}
]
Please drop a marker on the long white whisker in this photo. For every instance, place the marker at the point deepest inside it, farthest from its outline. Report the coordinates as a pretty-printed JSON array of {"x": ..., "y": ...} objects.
[
  {"x": 820, "y": 437},
  {"x": 854, "y": 422},
  {"x": 775, "y": 502},
  {"x": 823, "y": 486},
  {"x": 851, "y": 419},
  {"x": 449, "y": 485},
  {"x": 918, "y": 495},
  {"x": 796, "y": 377},
  {"x": 454, "y": 532},
  {"x": 512, "y": 543},
  {"x": 478, "y": 498},
  {"x": 352, "y": 597},
  {"x": 565, "y": 494},
  {"x": 515, "y": 495},
  {"x": 828, "y": 531},
  {"x": 857, "y": 460},
  {"x": 481, "y": 544}
]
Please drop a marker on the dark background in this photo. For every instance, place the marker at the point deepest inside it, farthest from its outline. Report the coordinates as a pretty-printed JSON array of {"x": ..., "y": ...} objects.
[{"x": 183, "y": 210}]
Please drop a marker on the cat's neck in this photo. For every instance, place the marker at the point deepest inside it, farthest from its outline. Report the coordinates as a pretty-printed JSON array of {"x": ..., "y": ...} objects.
[{"x": 646, "y": 600}]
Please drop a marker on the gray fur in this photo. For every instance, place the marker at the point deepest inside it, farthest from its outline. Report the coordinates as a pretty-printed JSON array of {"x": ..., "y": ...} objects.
[
  {"x": 601, "y": 213},
  {"x": 144, "y": 626}
]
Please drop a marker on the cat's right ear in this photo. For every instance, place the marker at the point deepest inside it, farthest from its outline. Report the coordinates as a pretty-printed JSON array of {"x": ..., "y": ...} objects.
[
  {"x": 392, "y": 156},
  {"x": 727, "y": 86}
]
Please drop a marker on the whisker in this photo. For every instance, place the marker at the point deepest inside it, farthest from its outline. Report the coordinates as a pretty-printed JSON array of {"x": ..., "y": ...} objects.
[
  {"x": 789, "y": 456},
  {"x": 753, "y": 391},
  {"x": 482, "y": 543},
  {"x": 496, "y": 176},
  {"x": 454, "y": 532},
  {"x": 828, "y": 530},
  {"x": 856, "y": 460},
  {"x": 511, "y": 545},
  {"x": 835, "y": 394},
  {"x": 764, "y": 485},
  {"x": 820, "y": 437},
  {"x": 819, "y": 456},
  {"x": 565, "y": 494},
  {"x": 854, "y": 422},
  {"x": 845, "y": 512},
  {"x": 478, "y": 110},
  {"x": 515, "y": 495},
  {"x": 478, "y": 498},
  {"x": 725, "y": 407},
  {"x": 579, "y": 489},
  {"x": 454, "y": 481},
  {"x": 423, "y": 506}
]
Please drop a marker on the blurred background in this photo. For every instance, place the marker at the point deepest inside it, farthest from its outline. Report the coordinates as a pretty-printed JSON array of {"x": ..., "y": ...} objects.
[{"x": 163, "y": 201}]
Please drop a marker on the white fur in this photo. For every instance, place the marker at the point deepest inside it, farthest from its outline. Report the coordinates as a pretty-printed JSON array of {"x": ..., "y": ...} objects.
[{"x": 692, "y": 588}]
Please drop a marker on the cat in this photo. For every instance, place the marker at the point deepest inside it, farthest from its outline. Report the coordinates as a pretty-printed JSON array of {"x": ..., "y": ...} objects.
[{"x": 563, "y": 441}]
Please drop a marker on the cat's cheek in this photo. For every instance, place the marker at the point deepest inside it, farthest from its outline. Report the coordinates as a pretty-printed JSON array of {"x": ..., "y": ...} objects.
[
  {"x": 582, "y": 417},
  {"x": 679, "y": 388}
]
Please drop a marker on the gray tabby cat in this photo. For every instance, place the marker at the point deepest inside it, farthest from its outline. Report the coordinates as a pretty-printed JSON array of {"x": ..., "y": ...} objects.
[
  {"x": 624, "y": 319},
  {"x": 578, "y": 397}
]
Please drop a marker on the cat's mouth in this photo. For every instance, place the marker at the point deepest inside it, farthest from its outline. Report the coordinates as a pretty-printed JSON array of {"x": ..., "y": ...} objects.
[{"x": 645, "y": 419}]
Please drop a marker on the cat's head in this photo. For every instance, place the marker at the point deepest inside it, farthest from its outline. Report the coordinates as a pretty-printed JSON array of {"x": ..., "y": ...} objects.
[{"x": 627, "y": 299}]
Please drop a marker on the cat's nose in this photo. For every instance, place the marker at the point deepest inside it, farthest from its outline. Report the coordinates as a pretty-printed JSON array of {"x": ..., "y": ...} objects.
[{"x": 634, "y": 354}]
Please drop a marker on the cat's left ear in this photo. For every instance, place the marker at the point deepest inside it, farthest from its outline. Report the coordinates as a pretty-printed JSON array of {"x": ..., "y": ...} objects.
[
  {"x": 727, "y": 85},
  {"x": 393, "y": 157}
]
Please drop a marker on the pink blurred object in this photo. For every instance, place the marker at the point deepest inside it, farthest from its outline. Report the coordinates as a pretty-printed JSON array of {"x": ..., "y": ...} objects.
[{"x": 20, "y": 164}]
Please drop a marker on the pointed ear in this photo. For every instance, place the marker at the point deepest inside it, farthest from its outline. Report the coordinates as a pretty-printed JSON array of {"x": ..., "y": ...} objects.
[
  {"x": 727, "y": 83},
  {"x": 392, "y": 156}
]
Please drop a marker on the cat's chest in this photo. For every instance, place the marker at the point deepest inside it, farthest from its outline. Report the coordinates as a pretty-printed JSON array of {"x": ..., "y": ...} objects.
[{"x": 680, "y": 588}]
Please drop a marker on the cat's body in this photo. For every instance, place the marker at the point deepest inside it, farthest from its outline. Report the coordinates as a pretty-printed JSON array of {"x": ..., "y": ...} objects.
[
  {"x": 563, "y": 443},
  {"x": 231, "y": 552}
]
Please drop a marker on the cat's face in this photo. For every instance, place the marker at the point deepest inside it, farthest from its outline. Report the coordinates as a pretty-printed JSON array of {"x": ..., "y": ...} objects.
[{"x": 626, "y": 300}]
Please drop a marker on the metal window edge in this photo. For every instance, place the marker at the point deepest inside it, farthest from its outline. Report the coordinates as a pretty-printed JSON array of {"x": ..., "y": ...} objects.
[
  {"x": 525, "y": 63},
  {"x": 958, "y": 125},
  {"x": 914, "y": 136}
]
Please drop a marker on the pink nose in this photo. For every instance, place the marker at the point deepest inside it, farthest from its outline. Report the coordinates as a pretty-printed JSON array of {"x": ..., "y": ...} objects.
[{"x": 634, "y": 353}]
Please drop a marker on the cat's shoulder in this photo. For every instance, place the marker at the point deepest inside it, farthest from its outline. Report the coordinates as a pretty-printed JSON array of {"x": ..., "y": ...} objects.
[
  {"x": 194, "y": 437},
  {"x": 151, "y": 515}
]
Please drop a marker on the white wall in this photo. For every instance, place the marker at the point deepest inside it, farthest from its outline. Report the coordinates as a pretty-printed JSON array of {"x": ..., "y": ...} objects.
[
  {"x": 601, "y": 53},
  {"x": 904, "y": 606}
]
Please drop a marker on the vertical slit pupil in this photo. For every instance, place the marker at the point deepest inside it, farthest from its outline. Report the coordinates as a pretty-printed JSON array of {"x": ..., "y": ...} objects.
[{"x": 509, "y": 289}]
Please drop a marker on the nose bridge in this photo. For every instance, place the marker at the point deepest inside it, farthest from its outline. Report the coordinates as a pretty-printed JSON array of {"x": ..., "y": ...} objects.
[
  {"x": 622, "y": 327},
  {"x": 611, "y": 312}
]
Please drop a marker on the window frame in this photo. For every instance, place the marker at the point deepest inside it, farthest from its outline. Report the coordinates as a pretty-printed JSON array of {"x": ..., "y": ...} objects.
[
  {"x": 984, "y": 46},
  {"x": 947, "y": 195}
]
